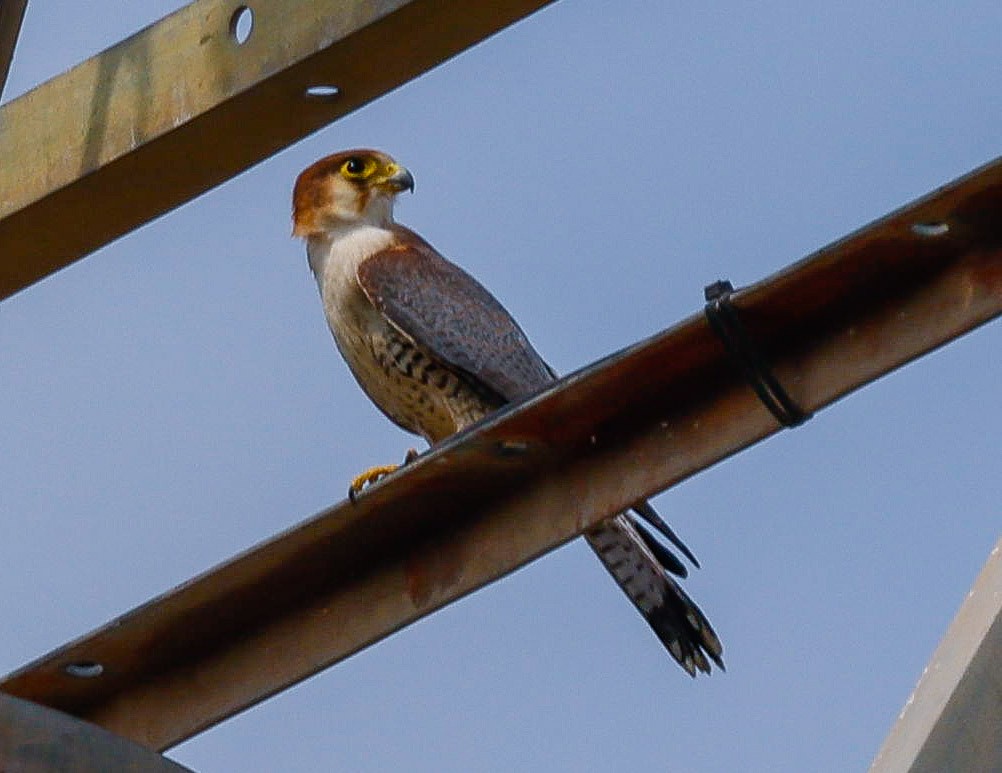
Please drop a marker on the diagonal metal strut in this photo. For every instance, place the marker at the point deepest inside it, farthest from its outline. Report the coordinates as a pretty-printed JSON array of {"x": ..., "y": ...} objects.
[
  {"x": 11, "y": 17},
  {"x": 533, "y": 476},
  {"x": 182, "y": 106}
]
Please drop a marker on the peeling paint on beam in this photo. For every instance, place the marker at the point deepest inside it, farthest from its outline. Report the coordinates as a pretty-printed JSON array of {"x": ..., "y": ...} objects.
[{"x": 182, "y": 106}]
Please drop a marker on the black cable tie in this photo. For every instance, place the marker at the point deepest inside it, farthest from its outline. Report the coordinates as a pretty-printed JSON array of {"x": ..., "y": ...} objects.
[{"x": 724, "y": 320}]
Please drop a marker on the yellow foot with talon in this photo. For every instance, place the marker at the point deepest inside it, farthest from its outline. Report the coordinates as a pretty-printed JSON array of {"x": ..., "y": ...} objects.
[
  {"x": 374, "y": 474},
  {"x": 369, "y": 477}
]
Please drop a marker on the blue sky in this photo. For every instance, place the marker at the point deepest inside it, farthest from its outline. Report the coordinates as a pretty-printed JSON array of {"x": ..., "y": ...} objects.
[{"x": 176, "y": 397}]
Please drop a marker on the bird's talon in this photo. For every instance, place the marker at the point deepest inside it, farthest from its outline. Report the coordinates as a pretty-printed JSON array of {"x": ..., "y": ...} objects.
[
  {"x": 368, "y": 478},
  {"x": 410, "y": 456}
]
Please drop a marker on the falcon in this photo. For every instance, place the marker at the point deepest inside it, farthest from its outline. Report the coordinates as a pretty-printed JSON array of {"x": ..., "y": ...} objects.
[{"x": 436, "y": 352}]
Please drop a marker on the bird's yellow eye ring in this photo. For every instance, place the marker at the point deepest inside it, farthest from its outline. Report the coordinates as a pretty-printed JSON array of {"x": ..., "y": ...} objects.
[{"x": 358, "y": 168}]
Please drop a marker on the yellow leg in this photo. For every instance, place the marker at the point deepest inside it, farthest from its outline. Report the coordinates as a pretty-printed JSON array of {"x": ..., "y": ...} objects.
[{"x": 374, "y": 474}]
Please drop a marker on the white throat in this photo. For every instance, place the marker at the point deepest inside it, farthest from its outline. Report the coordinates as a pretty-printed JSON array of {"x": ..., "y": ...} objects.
[{"x": 336, "y": 254}]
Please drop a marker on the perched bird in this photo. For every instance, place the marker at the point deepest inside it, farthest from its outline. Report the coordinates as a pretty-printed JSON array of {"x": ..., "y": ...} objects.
[{"x": 436, "y": 352}]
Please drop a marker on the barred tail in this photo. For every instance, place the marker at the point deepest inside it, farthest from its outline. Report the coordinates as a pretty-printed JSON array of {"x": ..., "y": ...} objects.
[{"x": 640, "y": 565}]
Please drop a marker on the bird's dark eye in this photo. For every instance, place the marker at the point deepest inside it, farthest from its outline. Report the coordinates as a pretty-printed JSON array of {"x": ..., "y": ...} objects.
[{"x": 358, "y": 168}]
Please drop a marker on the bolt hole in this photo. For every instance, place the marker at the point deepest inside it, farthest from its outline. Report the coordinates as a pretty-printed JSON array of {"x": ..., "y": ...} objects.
[
  {"x": 323, "y": 93},
  {"x": 930, "y": 229},
  {"x": 241, "y": 24},
  {"x": 85, "y": 669},
  {"x": 509, "y": 448}
]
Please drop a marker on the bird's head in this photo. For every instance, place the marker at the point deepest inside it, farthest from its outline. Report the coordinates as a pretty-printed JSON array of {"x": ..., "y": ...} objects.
[{"x": 356, "y": 186}]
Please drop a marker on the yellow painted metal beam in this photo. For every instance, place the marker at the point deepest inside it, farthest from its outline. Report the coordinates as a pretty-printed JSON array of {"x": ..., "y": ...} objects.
[
  {"x": 532, "y": 477},
  {"x": 183, "y": 106}
]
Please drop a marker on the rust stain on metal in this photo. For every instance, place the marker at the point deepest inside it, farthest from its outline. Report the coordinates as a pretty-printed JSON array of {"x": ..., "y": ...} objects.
[
  {"x": 985, "y": 278},
  {"x": 431, "y": 573}
]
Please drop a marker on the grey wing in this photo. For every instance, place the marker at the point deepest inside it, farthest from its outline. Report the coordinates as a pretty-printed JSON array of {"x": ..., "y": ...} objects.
[{"x": 449, "y": 314}]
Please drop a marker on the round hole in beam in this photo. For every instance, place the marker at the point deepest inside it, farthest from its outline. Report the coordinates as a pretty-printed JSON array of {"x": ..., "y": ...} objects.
[
  {"x": 511, "y": 448},
  {"x": 930, "y": 229},
  {"x": 322, "y": 93},
  {"x": 241, "y": 24},
  {"x": 84, "y": 669}
]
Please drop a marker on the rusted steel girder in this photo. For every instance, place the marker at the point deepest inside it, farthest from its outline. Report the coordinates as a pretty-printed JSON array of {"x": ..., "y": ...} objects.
[
  {"x": 183, "y": 106},
  {"x": 36, "y": 739},
  {"x": 533, "y": 476}
]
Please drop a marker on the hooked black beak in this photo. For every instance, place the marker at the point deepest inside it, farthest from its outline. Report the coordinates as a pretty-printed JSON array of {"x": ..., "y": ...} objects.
[{"x": 400, "y": 180}]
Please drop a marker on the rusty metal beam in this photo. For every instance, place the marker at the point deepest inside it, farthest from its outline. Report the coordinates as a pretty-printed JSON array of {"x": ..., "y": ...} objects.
[
  {"x": 532, "y": 477},
  {"x": 182, "y": 106},
  {"x": 11, "y": 16},
  {"x": 37, "y": 739},
  {"x": 952, "y": 720}
]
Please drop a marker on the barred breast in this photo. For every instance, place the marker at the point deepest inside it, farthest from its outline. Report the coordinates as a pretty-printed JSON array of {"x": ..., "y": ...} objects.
[
  {"x": 420, "y": 394},
  {"x": 406, "y": 383}
]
